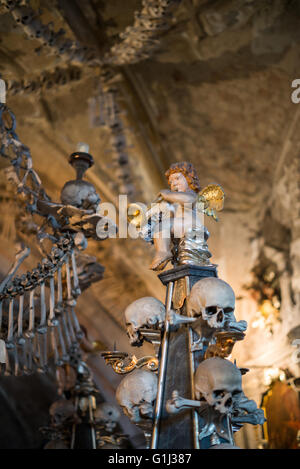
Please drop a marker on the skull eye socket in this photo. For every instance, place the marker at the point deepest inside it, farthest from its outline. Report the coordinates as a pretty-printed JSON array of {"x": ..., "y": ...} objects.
[
  {"x": 219, "y": 393},
  {"x": 236, "y": 392},
  {"x": 210, "y": 310},
  {"x": 228, "y": 310}
]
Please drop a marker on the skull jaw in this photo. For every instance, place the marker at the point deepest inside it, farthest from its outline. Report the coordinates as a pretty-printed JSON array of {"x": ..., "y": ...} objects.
[
  {"x": 110, "y": 426},
  {"x": 135, "y": 338},
  {"x": 132, "y": 413},
  {"x": 202, "y": 329}
]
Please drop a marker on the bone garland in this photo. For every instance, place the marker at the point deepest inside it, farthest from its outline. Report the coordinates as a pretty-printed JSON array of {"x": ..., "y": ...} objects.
[
  {"x": 138, "y": 42},
  {"x": 46, "y": 270},
  {"x": 141, "y": 39},
  {"x": 110, "y": 116},
  {"x": 21, "y": 169},
  {"x": 28, "y": 185},
  {"x": 46, "y": 82},
  {"x": 56, "y": 42}
]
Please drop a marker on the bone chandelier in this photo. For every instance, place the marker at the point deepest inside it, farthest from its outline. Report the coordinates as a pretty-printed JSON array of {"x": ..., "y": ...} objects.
[{"x": 39, "y": 327}]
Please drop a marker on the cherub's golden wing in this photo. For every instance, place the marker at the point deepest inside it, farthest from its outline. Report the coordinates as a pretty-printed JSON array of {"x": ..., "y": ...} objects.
[{"x": 211, "y": 200}]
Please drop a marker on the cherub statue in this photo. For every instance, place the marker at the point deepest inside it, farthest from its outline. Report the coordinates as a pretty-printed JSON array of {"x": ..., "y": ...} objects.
[{"x": 174, "y": 223}]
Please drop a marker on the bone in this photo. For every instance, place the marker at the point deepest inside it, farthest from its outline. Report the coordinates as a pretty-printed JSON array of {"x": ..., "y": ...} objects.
[
  {"x": 70, "y": 326},
  {"x": 10, "y": 361},
  {"x": 2, "y": 92},
  {"x": 177, "y": 319},
  {"x": 64, "y": 357},
  {"x": 11, "y": 357},
  {"x": 31, "y": 313},
  {"x": 20, "y": 318},
  {"x": 30, "y": 334},
  {"x": 2, "y": 353},
  {"x": 65, "y": 330},
  {"x": 42, "y": 330},
  {"x": 77, "y": 290},
  {"x": 10, "y": 331},
  {"x": 1, "y": 315},
  {"x": 78, "y": 331},
  {"x": 20, "y": 339},
  {"x": 57, "y": 360},
  {"x": 59, "y": 287},
  {"x": 178, "y": 403},
  {"x": 43, "y": 323},
  {"x": 51, "y": 318}
]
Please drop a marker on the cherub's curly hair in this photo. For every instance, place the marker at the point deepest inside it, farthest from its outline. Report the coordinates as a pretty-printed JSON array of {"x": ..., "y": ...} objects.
[{"x": 189, "y": 172}]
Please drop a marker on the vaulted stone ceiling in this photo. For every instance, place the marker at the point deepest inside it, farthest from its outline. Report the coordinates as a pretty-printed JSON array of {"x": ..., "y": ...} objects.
[{"x": 216, "y": 92}]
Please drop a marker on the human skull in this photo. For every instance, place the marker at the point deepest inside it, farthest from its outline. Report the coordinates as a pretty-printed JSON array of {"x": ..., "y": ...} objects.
[
  {"x": 136, "y": 394},
  {"x": 61, "y": 411},
  {"x": 81, "y": 194},
  {"x": 108, "y": 415},
  {"x": 146, "y": 312},
  {"x": 219, "y": 383},
  {"x": 213, "y": 301}
]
